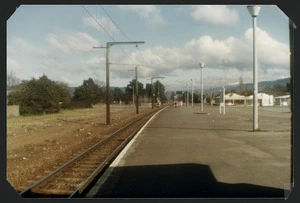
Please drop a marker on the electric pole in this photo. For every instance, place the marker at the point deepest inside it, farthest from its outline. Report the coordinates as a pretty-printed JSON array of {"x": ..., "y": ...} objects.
[
  {"x": 136, "y": 91},
  {"x": 108, "y": 46}
]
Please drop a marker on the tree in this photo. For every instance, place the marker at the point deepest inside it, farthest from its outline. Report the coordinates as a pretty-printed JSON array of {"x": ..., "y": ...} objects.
[
  {"x": 241, "y": 85},
  {"x": 242, "y": 89},
  {"x": 132, "y": 86},
  {"x": 288, "y": 87},
  {"x": 39, "y": 96},
  {"x": 172, "y": 96},
  {"x": 159, "y": 91},
  {"x": 118, "y": 95},
  {"x": 12, "y": 80},
  {"x": 88, "y": 92},
  {"x": 278, "y": 89},
  {"x": 148, "y": 91},
  {"x": 196, "y": 98},
  {"x": 64, "y": 92}
]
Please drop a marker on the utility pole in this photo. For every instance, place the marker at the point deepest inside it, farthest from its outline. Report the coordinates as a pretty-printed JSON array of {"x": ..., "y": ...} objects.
[
  {"x": 202, "y": 100},
  {"x": 108, "y": 46},
  {"x": 192, "y": 92},
  {"x": 224, "y": 100},
  {"x": 136, "y": 91},
  {"x": 133, "y": 94},
  {"x": 186, "y": 96}
]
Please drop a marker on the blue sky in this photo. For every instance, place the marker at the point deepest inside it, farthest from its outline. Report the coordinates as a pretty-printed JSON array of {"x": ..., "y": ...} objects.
[{"x": 58, "y": 41}]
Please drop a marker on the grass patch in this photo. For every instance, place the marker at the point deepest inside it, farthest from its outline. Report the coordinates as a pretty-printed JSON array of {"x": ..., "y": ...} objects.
[{"x": 23, "y": 124}]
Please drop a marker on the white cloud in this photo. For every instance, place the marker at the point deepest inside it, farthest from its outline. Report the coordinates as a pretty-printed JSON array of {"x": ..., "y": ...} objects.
[
  {"x": 149, "y": 13},
  {"x": 69, "y": 42},
  {"x": 215, "y": 14},
  {"x": 269, "y": 50},
  {"x": 21, "y": 46},
  {"x": 234, "y": 52},
  {"x": 48, "y": 64},
  {"x": 225, "y": 60},
  {"x": 104, "y": 22},
  {"x": 66, "y": 79},
  {"x": 95, "y": 62},
  {"x": 12, "y": 66},
  {"x": 210, "y": 51},
  {"x": 10, "y": 51},
  {"x": 230, "y": 58}
]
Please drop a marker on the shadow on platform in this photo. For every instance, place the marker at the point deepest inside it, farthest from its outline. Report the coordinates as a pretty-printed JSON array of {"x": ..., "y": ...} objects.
[{"x": 178, "y": 181}]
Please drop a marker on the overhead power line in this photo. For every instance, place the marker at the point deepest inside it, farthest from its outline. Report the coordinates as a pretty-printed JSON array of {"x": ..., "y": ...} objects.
[
  {"x": 123, "y": 33},
  {"x": 107, "y": 32},
  {"x": 98, "y": 23},
  {"x": 115, "y": 23}
]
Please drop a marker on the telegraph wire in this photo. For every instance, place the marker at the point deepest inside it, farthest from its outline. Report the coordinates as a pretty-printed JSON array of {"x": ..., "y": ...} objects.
[
  {"x": 98, "y": 23},
  {"x": 123, "y": 33},
  {"x": 115, "y": 24},
  {"x": 107, "y": 32}
]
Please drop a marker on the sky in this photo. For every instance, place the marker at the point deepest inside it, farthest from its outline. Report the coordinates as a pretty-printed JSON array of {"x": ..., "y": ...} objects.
[{"x": 60, "y": 41}]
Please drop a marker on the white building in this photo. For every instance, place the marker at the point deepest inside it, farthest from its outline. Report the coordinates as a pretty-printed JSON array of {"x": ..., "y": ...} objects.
[
  {"x": 284, "y": 100},
  {"x": 236, "y": 99},
  {"x": 233, "y": 99},
  {"x": 263, "y": 99}
]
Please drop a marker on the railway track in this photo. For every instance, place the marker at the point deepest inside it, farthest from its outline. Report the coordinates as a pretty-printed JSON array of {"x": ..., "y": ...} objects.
[{"x": 74, "y": 177}]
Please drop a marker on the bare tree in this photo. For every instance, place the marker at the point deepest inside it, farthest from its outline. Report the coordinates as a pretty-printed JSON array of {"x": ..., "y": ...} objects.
[
  {"x": 241, "y": 85},
  {"x": 98, "y": 82},
  {"x": 12, "y": 80}
]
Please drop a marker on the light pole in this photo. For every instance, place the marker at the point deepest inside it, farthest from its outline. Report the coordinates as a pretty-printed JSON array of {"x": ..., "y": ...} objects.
[
  {"x": 201, "y": 99},
  {"x": 132, "y": 90},
  {"x": 136, "y": 91},
  {"x": 152, "y": 93},
  {"x": 254, "y": 10},
  {"x": 133, "y": 94},
  {"x": 186, "y": 96}
]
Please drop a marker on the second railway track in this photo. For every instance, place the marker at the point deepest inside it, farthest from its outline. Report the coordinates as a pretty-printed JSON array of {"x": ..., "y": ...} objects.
[{"x": 73, "y": 177}]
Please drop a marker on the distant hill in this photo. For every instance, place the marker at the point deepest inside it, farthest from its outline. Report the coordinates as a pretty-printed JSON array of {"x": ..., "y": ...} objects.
[{"x": 261, "y": 86}]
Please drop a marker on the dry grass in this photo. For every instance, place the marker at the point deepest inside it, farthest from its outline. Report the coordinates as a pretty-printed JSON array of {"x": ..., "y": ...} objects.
[{"x": 21, "y": 124}]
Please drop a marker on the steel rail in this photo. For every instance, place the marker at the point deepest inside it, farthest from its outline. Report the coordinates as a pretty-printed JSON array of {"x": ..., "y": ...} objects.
[
  {"x": 28, "y": 191},
  {"x": 85, "y": 184}
]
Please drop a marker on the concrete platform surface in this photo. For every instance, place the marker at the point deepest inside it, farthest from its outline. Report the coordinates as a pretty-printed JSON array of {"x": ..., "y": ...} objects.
[{"x": 185, "y": 153}]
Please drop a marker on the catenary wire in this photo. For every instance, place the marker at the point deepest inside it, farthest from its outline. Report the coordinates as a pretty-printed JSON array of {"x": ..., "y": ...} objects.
[{"x": 107, "y": 32}]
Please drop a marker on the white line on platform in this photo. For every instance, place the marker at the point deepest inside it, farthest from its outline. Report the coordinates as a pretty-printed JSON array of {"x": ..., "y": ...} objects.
[
  {"x": 121, "y": 155},
  {"x": 115, "y": 163}
]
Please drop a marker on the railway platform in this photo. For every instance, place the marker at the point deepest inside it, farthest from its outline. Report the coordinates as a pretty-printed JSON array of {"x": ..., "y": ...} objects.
[{"x": 185, "y": 153}]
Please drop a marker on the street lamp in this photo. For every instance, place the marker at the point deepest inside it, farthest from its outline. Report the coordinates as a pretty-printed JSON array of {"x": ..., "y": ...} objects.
[
  {"x": 254, "y": 10},
  {"x": 201, "y": 99},
  {"x": 152, "y": 93},
  {"x": 187, "y": 94}
]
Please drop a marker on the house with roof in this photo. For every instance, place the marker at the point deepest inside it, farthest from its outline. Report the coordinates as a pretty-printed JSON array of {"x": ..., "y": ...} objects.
[
  {"x": 232, "y": 99},
  {"x": 284, "y": 100},
  {"x": 236, "y": 99},
  {"x": 263, "y": 99}
]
